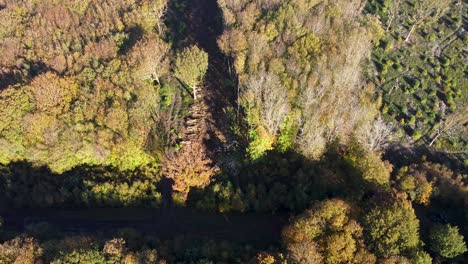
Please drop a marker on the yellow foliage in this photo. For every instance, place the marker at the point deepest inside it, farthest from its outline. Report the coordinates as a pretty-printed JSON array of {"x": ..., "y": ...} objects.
[
  {"x": 327, "y": 228},
  {"x": 261, "y": 142},
  {"x": 423, "y": 197},
  {"x": 306, "y": 48},
  {"x": 369, "y": 164},
  {"x": 35, "y": 126}
]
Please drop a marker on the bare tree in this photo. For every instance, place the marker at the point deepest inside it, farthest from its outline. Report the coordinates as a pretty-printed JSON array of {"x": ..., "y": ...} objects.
[
  {"x": 393, "y": 12},
  {"x": 454, "y": 123},
  {"x": 330, "y": 102},
  {"x": 377, "y": 135},
  {"x": 305, "y": 253},
  {"x": 151, "y": 55},
  {"x": 265, "y": 94}
]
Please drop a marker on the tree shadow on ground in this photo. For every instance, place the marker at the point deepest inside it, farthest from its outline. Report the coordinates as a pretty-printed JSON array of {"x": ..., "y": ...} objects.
[
  {"x": 403, "y": 155},
  {"x": 25, "y": 185},
  {"x": 283, "y": 182},
  {"x": 200, "y": 22}
]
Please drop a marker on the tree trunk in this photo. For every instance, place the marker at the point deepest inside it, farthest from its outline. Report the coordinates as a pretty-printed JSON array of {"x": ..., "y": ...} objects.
[
  {"x": 435, "y": 138},
  {"x": 389, "y": 24},
  {"x": 156, "y": 78},
  {"x": 410, "y": 32}
]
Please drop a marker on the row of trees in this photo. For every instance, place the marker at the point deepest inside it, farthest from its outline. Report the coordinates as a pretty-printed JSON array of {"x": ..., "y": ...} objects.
[
  {"x": 419, "y": 70},
  {"x": 73, "y": 250},
  {"x": 25, "y": 186},
  {"x": 331, "y": 232}
]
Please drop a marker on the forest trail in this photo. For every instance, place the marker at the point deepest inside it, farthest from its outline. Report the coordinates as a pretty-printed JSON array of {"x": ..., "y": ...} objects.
[
  {"x": 259, "y": 229},
  {"x": 207, "y": 120}
]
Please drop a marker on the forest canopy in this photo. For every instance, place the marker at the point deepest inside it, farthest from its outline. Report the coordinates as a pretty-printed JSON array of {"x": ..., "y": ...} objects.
[
  {"x": 233, "y": 131},
  {"x": 81, "y": 83}
]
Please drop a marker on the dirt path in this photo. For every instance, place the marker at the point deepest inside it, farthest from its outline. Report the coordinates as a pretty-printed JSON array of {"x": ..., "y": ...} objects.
[
  {"x": 257, "y": 229},
  {"x": 207, "y": 120}
]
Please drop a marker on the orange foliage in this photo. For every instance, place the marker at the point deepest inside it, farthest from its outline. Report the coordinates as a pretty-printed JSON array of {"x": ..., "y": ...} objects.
[
  {"x": 190, "y": 167},
  {"x": 53, "y": 93}
]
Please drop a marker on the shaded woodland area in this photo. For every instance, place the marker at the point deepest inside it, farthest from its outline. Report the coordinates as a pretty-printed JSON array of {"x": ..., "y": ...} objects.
[{"x": 171, "y": 131}]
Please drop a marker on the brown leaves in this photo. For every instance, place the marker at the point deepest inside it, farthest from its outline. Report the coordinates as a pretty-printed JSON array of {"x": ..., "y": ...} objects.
[
  {"x": 190, "y": 167},
  {"x": 9, "y": 52},
  {"x": 104, "y": 49},
  {"x": 116, "y": 247},
  {"x": 20, "y": 250},
  {"x": 233, "y": 41},
  {"x": 52, "y": 93},
  {"x": 151, "y": 56}
]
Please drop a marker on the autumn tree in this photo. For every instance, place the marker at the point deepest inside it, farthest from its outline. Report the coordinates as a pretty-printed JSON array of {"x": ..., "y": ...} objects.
[
  {"x": 76, "y": 82},
  {"x": 233, "y": 41},
  {"x": 151, "y": 55},
  {"x": 306, "y": 48},
  {"x": 415, "y": 184},
  {"x": 152, "y": 15},
  {"x": 327, "y": 233},
  {"x": 81, "y": 255},
  {"x": 20, "y": 250},
  {"x": 190, "y": 68},
  {"x": 268, "y": 258},
  {"x": 115, "y": 247},
  {"x": 143, "y": 256},
  {"x": 421, "y": 257},
  {"x": 52, "y": 93},
  {"x": 446, "y": 241},
  {"x": 392, "y": 229},
  {"x": 189, "y": 167},
  {"x": 315, "y": 50},
  {"x": 369, "y": 164},
  {"x": 433, "y": 180}
]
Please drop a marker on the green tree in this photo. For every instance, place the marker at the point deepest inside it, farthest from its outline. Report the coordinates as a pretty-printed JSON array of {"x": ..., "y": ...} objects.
[
  {"x": 191, "y": 66},
  {"x": 392, "y": 229},
  {"x": 421, "y": 257},
  {"x": 446, "y": 241}
]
